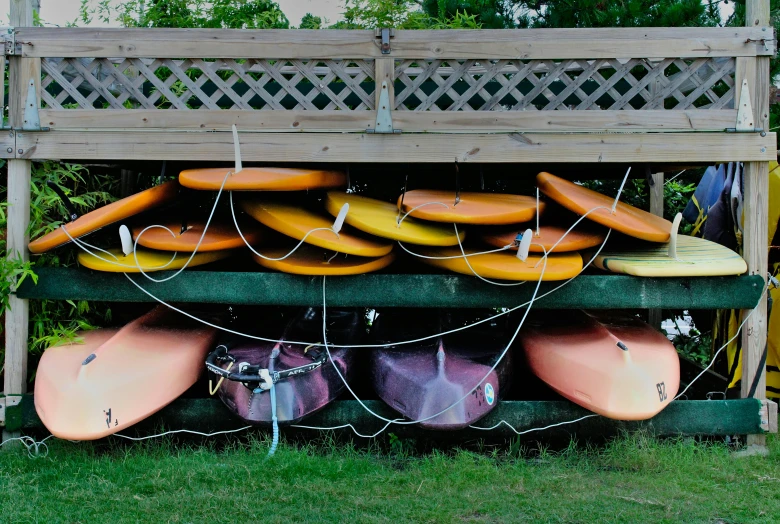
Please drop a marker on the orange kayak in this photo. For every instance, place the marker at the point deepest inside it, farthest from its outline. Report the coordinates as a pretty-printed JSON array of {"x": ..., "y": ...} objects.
[
  {"x": 504, "y": 265},
  {"x": 584, "y": 236},
  {"x": 116, "y": 378},
  {"x": 108, "y": 214},
  {"x": 220, "y": 235},
  {"x": 619, "y": 368},
  {"x": 472, "y": 208},
  {"x": 310, "y": 260},
  {"x": 626, "y": 219},
  {"x": 300, "y": 223},
  {"x": 262, "y": 179}
]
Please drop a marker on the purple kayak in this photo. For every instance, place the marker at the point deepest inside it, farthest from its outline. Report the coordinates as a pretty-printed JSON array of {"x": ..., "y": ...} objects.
[
  {"x": 305, "y": 379},
  {"x": 421, "y": 380}
]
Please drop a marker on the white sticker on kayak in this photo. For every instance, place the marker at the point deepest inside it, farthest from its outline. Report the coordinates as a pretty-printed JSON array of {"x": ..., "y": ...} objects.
[{"x": 490, "y": 395}]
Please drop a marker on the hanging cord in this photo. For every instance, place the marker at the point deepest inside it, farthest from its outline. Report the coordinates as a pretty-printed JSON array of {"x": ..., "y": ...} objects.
[
  {"x": 35, "y": 448},
  {"x": 400, "y": 343},
  {"x": 274, "y": 420},
  {"x": 303, "y": 240},
  {"x": 487, "y": 375},
  {"x": 729, "y": 341}
]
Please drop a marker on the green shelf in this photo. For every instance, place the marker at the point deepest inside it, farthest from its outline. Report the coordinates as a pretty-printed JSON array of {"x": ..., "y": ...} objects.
[
  {"x": 687, "y": 417},
  {"x": 397, "y": 290}
]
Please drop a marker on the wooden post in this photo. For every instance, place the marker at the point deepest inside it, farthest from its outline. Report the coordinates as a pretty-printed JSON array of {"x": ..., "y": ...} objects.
[
  {"x": 21, "y": 71},
  {"x": 756, "y": 177},
  {"x": 384, "y": 71},
  {"x": 654, "y": 316}
]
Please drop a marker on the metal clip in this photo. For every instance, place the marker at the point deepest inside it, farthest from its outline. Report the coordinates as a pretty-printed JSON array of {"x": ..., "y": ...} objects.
[
  {"x": 384, "y": 118},
  {"x": 385, "y": 34},
  {"x": 9, "y": 41}
]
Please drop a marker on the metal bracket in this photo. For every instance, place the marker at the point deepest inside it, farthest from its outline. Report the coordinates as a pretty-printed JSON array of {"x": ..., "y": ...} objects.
[
  {"x": 9, "y": 40},
  {"x": 32, "y": 120},
  {"x": 745, "y": 121},
  {"x": 385, "y": 34},
  {"x": 384, "y": 117}
]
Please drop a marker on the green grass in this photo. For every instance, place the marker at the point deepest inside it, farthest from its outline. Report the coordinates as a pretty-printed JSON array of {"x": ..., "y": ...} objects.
[{"x": 631, "y": 479}]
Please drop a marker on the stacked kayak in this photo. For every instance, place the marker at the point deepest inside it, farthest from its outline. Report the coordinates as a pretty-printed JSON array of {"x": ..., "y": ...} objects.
[
  {"x": 305, "y": 378},
  {"x": 621, "y": 368},
  {"x": 446, "y": 382},
  {"x": 116, "y": 378}
]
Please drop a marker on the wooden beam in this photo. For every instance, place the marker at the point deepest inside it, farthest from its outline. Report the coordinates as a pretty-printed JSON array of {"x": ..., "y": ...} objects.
[
  {"x": 422, "y": 148},
  {"x": 295, "y": 121},
  {"x": 686, "y": 417},
  {"x": 646, "y": 42},
  {"x": 756, "y": 182},
  {"x": 21, "y": 72},
  {"x": 394, "y": 290},
  {"x": 656, "y": 183}
]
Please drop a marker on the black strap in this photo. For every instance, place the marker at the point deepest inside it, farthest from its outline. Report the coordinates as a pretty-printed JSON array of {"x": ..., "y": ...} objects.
[{"x": 65, "y": 200}]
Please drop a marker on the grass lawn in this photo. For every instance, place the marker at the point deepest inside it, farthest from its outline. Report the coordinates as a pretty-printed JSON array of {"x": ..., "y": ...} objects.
[{"x": 631, "y": 479}]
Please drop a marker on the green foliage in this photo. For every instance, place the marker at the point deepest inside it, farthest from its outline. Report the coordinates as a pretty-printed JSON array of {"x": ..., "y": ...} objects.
[
  {"x": 616, "y": 13},
  {"x": 695, "y": 345},
  {"x": 634, "y": 478},
  {"x": 309, "y": 21},
  {"x": 228, "y": 14},
  {"x": 53, "y": 322},
  {"x": 489, "y": 14},
  {"x": 401, "y": 14}
]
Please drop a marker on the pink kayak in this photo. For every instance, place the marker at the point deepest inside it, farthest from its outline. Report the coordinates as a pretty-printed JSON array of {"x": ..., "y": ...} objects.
[
  {"x": 620, "y": 368},
  {"x": 115, "y": 378}
]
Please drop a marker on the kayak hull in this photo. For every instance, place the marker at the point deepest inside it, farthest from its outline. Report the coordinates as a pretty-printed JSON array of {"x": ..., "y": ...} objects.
[
  {"x": 136, "y": 371},
  {"x": 582, "y": 361},
  {"x": 301, "y": 395},
  {"x": 453, "y": 374}
]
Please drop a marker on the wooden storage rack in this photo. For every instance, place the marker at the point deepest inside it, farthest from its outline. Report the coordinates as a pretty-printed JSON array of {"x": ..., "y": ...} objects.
[{"x": 647, "y": 95}]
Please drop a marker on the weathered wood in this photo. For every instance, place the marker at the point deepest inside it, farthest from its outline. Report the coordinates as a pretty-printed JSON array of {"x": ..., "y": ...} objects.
[
  {"x": 654, "y": 316},
  {"x": 21, "y": 72},
  {"x": 686, "y": 417},
  {"x": 388, "y": 290},
  {"x": 408, "y": 121},
  {"x": 384, "y": 72},
  {"x": 543, "y": 44},
  {"x": 423, "y": 148},
  {"x": 756, "y": 182}
]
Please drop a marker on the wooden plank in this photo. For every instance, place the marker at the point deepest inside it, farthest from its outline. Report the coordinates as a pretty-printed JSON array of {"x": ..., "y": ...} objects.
[
  {"x": 423, "y": 148},
  {"x": 648, "y": 42},
  {"x": 685, "y": 417},
  {"x": 756, "y": 183},
  {"x": 384, "y": 72},
  {"x": 394, "y": 290},
  {"x": 21, "y": 71},
  {"x": 408, "y": 121},
  {"x": 656, "y": 182}
]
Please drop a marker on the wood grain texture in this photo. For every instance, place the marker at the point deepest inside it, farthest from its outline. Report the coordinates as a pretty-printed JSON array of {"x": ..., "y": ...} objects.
[
  {"x": 21, "y": 70},
  {"x": 755, "y": 250},
  {"x": 408, "y": 121},
  {"x": 655, "y": 42},
  {"x": 423, "y": 148}
]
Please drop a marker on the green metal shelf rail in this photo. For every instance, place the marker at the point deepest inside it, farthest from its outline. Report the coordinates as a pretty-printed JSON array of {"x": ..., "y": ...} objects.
[
  {"x": 687, "y": 417},
  {"x": 398, "y": 290}
]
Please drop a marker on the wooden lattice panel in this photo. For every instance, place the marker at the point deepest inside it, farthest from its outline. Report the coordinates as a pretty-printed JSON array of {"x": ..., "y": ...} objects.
[
  {"x": 136, "y": 83},
  {"x": 518, "y": 85}
]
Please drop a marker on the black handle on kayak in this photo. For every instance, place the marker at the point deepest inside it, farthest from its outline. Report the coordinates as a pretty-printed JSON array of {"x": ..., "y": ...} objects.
[
  {"x": 221, "y": 353},
  {"x": 65, "y": 200}
]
